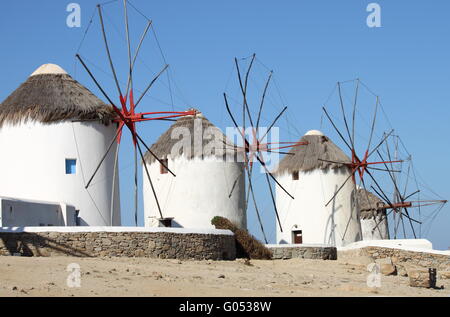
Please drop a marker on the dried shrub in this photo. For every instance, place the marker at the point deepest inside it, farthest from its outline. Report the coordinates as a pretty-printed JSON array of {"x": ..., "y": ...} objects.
[{"x": 247, "y": 246}]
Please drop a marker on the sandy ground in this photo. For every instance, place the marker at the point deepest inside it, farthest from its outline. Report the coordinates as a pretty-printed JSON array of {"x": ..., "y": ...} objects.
[{"x": 21, "y": 276}]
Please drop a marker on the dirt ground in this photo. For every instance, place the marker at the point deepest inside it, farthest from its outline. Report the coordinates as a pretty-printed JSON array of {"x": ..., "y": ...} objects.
[{"x": 39, "y": 276}]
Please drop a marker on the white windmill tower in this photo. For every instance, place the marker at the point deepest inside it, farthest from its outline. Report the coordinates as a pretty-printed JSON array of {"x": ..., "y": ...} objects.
[
  {"x": 374, "y": 222},
  {"x": 206, "y": 167},
  {"x": 53, "y": 131},
  {"x": 312, "y": 181}
]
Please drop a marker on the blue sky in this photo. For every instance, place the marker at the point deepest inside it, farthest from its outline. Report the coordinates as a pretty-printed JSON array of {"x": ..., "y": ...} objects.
[{"x": 309, "y": 44}]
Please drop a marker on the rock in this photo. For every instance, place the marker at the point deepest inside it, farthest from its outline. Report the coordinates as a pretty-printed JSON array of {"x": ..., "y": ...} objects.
[
  {"x": 361, "y": 261},
  {"x": 444, "y": 275},
  {"x": 401, "y": 270},
  {"x": 419, "y": 277},
  {"x": 387, "y": 267},
  {"x": 221, "y": 276},
  {"x": 14, "y": 288}
]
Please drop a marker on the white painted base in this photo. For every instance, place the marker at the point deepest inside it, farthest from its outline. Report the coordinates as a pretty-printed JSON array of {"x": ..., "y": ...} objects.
[
  {"x": 199, "y": 192},
  {"x": 375, "y": 228},
  {"x": 32, "y": 166},
  {"x": 337, "y": 224},
  {"x": 416, "y": 245},
  {"x": 21, "y": 213}
]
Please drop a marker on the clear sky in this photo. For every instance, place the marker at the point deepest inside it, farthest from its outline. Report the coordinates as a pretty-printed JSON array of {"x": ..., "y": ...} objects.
[{"x": 310, "y": 44}]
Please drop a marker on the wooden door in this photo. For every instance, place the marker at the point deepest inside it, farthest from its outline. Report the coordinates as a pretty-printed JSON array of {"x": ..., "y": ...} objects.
[{"x": 297, "y": 236}]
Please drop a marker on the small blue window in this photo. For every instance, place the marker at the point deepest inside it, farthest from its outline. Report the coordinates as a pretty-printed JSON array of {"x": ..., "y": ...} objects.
[{"x": 71, "y": 166}]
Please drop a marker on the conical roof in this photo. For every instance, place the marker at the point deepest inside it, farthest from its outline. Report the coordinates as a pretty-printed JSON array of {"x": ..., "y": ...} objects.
[
  {"x": 308, "y": 157},
  {"x": 369, "y": 204},
  {"x": 51, "y": 95},
  {"x": 194, "y": 134}
]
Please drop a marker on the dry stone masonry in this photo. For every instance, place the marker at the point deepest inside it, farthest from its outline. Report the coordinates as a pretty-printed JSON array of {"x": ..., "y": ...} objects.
[
  {"x": 403, "y": 258},
  {"x": 303, "y": 252},
  {"x": 166, "y": 245}
]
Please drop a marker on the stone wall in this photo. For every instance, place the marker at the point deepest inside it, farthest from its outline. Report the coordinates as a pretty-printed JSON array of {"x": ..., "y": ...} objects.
[
  {"x": 402, "y": 258},
  {"x": 167, "y": 245},
  {"x": 304, "y": 252}
]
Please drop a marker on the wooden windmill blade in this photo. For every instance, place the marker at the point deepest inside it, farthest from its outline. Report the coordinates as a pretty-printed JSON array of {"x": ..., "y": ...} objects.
[
  {"x": 253, "y": 151},
  {"x": 400, "y": 197},
  {"x": 406, "y": 196},
  {"x": 357, "y": 165},
  {"x": 126, "y": 114}
]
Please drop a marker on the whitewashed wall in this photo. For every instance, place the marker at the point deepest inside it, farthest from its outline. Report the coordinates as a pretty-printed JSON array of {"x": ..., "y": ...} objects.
[
  {"x": 375, "y": 228},
  {"x": 32, "y": 166},
  {"x": 336, "y": 225},
  {"x": 21, "y": 213},
  {"x": 199, "y": 192}
]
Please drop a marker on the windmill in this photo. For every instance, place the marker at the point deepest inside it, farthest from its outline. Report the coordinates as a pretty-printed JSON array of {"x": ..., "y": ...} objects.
[
  {"x": 407, "y": 193},
  {"x": 360, "y": 165},
  {"x": 254, "y": 147},
  {"x": 126, "y": 115},
  {"x": 389, "y": 163}
]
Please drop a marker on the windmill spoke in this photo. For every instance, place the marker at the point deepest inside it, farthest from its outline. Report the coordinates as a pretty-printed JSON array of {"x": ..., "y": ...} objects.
[
  {"x": 114, "y": 140},
  {"x": 151, "y": 84},
  {"x": 391, "y": 176},
  {"x": 154, "y": 155},
  {"x": 384, "y": 195},
  {"x": 150, "y": 180},
  {"x": 343, "y": 114},
  {"x": 127, "y": 31},
  {"x": 248, "y": 71},
  {"x": 403, "y": 225},
  {"x": 373, "y": 126},
  {"x": 271, "y": 176},
  {"x": 234, "y": 185},
  {"x": 256, "y": 206},
  {"x": 233, "y": 119},
  {"x": 339, "y": 189},
  {"x": 401, "y": 198},
  {"x": 116, "y": 110},
  {"x": 274, "y": 202},
  {"x": 113, "y": 191},
  {"x": 412, "y": 194},
  {"x": 383, "y": 170},
  {"x": 262, "y": 99},
  {"x": 107, "y": 49},
  {"x": 354, "y": 112},
  {"x": 244, "y": 89},
  {"x": 337, "y": 130},
  {"x": 273, "y": 123},
  {"x": 137, "y": 53},
  {"x": 389, "y": 205},
  {"x": 407, "y": 179},
  {"x": 249, "y": 187},
  {"x": 410, "y": 223},
  {"x": 381, "y": 143}
]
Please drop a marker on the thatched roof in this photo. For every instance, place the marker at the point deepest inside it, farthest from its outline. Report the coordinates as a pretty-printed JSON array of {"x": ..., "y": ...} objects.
[
  {"x": 51, "y": 95},
  {"x": 213, "y": 142},
  {"x": 308, "y": 157},
  {"x": 369, "y": 204}
]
